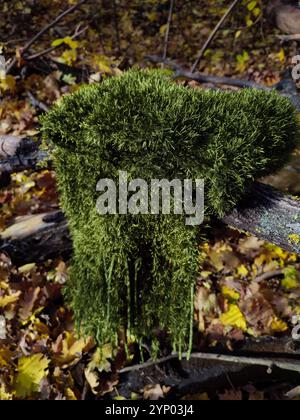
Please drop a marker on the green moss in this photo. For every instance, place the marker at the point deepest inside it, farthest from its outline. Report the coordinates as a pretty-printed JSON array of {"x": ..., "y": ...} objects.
[{"x": 138, "y": 272}]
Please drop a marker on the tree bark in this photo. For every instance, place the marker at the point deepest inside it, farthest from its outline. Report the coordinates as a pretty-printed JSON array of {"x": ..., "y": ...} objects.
[{"x": 269, "y": 215}]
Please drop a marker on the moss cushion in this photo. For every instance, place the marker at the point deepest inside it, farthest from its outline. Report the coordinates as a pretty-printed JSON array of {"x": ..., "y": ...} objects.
[{"x": 136, "y": 273}]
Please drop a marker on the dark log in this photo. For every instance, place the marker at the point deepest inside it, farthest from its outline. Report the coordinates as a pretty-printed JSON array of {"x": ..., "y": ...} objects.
[
  {"x": 37, "y": 238},
  {"x": 269, "y": 215},
  {"x": 206, "y": 372},
  {"x": 265, "y": 213},
  {"x": 18, "y": 154}
]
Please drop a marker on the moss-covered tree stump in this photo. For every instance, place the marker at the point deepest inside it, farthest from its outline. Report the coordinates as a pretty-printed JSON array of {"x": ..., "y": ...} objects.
[{"x": 137, "y": 273}]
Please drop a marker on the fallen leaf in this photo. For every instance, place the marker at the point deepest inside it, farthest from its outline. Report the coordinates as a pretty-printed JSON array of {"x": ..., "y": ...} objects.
[
  {"x": 291, "y": 278},
  {"x": 153, "y": 392},
  {"x": 8, "y": 300},
  {"x": 230, "y": 293},
  {"x": 234, "y": 318},
  {"x": 69, "y": 350},
  {"x": 294, "y": 394},
  {"x": 28, "y": 302},
  {"x": 31, "y": 371},
  {"x": 242, "y": 271},
  {"x": 278, "y": 325},
  {"x": 5, "y": 396},
  {"x": 27, "y": 268},
  {"x": 2, "y": 328}
]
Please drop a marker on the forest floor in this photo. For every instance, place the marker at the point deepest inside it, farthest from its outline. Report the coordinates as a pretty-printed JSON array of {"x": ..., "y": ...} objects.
[{"x": 247, "y": 289}]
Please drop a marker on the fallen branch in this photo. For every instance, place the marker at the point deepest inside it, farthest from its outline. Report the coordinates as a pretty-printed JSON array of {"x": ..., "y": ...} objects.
[
  {"x": 36, "y": 238},
  {"x": 19, "y": 153},
  {"x": 286, "y": 38},
  {"x": 166, "y": 42},
  {"x": 215, "y": 80},
  {"x": 269, "y": 275},
  {"x": 269, "y": 364},
  {"x": 212, "y": 35},
  {"x": 117, "y": 29},
  {"x": 180, "y": 72},
  {"x": 205, "y": 372},
  {"x": 36, "y": 103}
]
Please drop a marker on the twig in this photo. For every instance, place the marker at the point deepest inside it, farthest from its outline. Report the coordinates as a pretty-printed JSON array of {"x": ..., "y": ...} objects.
[
  {"x": 117, "y": 26},
  {"x": 269, "y": 275},
  {"x": 212, "y": 35},
  {"x": 158, "y": 60},
  {"x": 49, "y": 50},
  {"x": 85, "y": 391},
  {"x": 14, "y": 41},
  {"x": 201, "y": 78},
  {"x": 36, "y": 103},
  {"x": 294, "y": 37},
  {"x": 44, "y": 30},
  {"x": 166, "y": 43},
  {"x": 290, "y": 365}
]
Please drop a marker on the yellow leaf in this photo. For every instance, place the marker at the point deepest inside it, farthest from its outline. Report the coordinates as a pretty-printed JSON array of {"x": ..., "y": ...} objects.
[
  {"x": 57, "y": 42},
  {"x": 8, "y": 83},
  {"x": 234, "y": 318},
  {"x": 31, "y": 371},
  {"x": 278, "y": 252},
  {"x": 100, "y": 358},
  {"x": 257, "y": 11},
  {"x": 163, "y": 29},
  {"x": 26, "y": 268},
  {"x": 260, "y": 261},
  {"x": 205, "y": 274},
  {"x": 281, "y": 57},
  {"x": 249, "y": 21},
  {"x": 70, "y": 395},
  {"x": 243, "y": 271},
  {"x": 152, "y": 16},
  {"x": 278, "y": 325},
  {"x": 93, "y": 379},
  {"x": 238, "y": 34},
  {"x": 72, "y": 349},
  {"x": 103, "y": 64},
  {"x": 67, "y": 41},
  {"x": 291, "y": 279},
  {"x": 7, "y": 300},
  {"x": 232, "y": 294},
  {"x": 5, "y": 396},
  {"x": 71, "y": 43},
  {"x": 69, "y": 57},
  {"x": 251, "y": 5}
]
